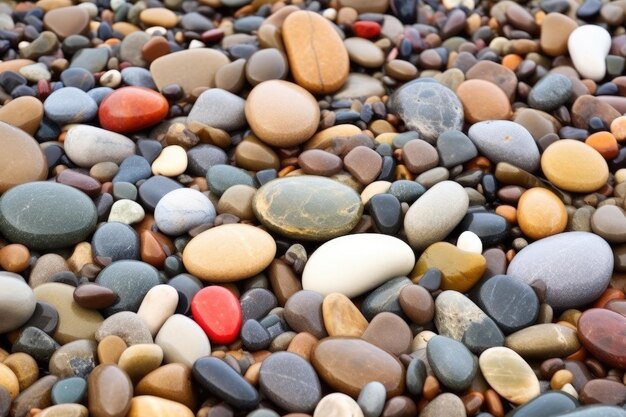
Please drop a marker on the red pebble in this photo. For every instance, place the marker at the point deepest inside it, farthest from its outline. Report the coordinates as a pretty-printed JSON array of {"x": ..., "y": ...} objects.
[
  {"x": 367, "y": 30},
  {"x": 218, "y": 312},
  {"x": 132, "y": 108}
]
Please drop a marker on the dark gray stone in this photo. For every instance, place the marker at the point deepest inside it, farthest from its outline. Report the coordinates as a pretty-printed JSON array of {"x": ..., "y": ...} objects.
[
  {"x": 256, "y": 303},
  {"x": 254, "y": 336},
  {"x": 70, "y": 105},
  {"x": 222, "y": 177},
  {"x": 455, "y": 148},
  {"x": 550, "y": 92},
  {"x": 452, "y": 363},
  {"x": 115, "y": 241}
]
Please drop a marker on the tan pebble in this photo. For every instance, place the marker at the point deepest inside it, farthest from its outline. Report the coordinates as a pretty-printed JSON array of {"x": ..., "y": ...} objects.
[
  {"x": 24, "y": 367},
  {"x": 540, "y": 213},
  {"x": 14, "y": 258},
  {"x": 337, "y": 404},
  {"x": 324, "y": 138},
  {"x": 146, "y": 405},
  {"x": 81, "y": 256},
  {"x": 46, "y": 266},
  {"x": 555, "y": 31},
  {"x": 64, "y": 410},
  {"x": 24, "y": 113},
  {"x": 9, "y": 381},
  {"x": 158, "y": 16},
  {"x": 483, "y": 100},
  {"x": 237, "y": 200},
  {"x": 569, "y": 389},
  {"x": 157, "y": 306},
  {"x": 302, "y": 344},
  {"x": 420, "y": 341},
  {"x": 139, "y": 360},
  {"x": 252, "y": 373},
  {"x": 110, "y": 349},
  {"x": 377, "y": 187},
  {"x": 172, "y": 382},
  {"x": 618, "y": 128},
  {"x": 509, "y": 375},
  {"x": 574, "y": 166},
  {"x": 171, "y": 162},
  {"x": 254, "y": 155},
  {"x": 560, "y": 378}
]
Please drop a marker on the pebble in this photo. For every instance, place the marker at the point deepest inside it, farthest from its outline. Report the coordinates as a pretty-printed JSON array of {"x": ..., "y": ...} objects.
[
  {"x": 454, "y": 148},
  {"x": 158, "y": 305},
  {"x": 540, "y": 213},
  {"x": 372, "y": 399},
  {"x": 230, "y": 252},
  {"x": 317, "y": 56},
  {"x": 436, "y": 110},
  {"x": 588, "y": 46},
  {"x": 182, "y": 340},
  {"x": 451, "y": 362},
  {"x": 435, "y": 214},
  {"x": 131, "y": 291},
  {"x": 76, "y": 358},
  {"x": 132, "y": 108},
  {"x": 109, "y": 392},
  {"x": 607, "y": 222},
  {"x": 549, "y": 340},
  {"x": 150, "y": 405},
  {"x": 218, "y": 312},
  {"x": 70, "y": 105},
  {"x": 266, "y": 64},
  {"x": 554, "y": 402},
  {"x": 337, "y": 404},
  {"x": 171, "y": 382},
  {"x": 348, "y": 364},
  {"x": 505, "y": 141},
  {"x": 352, "y": 264},
  {"x": 66, "y": 21},
  {"x": 126, "y": 325},
  {"x": 65, "y": 410},
  {"x": 219, "y": 109},
  {"x": 364, "y": 52},
  {"x": 69, "y": 390},
  {"x": 483, "y": 101},
  {"x": 509, "y": 375},
  {"x": 17, "y": 301},
  {"x": 560, "y": 261},
  {"x": 221, "y": 177},
  {"x": 307, "y": 207},
  {"x": 342, "y": 317},
  {"x": 172, "y": 161},
  {"x": 555, "y": 32},
  {"x": 281, "y": 113},
  {"x": 201, "y": 65},
  {"x": 445, "y": 404},
  {"x": 183, "y": 209},
  {"x": 550, "y": 92},
  {"x": 389, "y": 332},
  {"x": 140, "y": 359},
  {"x": 87, "y": 146},
  {"x": 113, "y": 242},
  {"x": 601, "y": 332},
  {"x": 574, "y": 166}
]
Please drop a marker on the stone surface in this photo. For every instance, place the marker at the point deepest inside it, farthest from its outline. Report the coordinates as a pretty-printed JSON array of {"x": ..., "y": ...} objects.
[
  {"x": 110, "y": 392},
  {"x": 151, "y": 405},
  {"x": 445, "y": 404},
  {"x": 353, "y": 264},
  {"x": 171, "y": 382},
  {"x": 574, "y": 166},
  {"x": 427, "y": 107},
  {"x": 17, "y": 301},
  {"x": 588, "y": 46},
  {"x": 451, "y": 362},
  {"x": 550, "y": 92},
  {"x": 483, "y": 100},
  {"x": 218, "y": 312},
  {"x": 70, "y": 105},
  {"x": 219, "y": 109},
  {"x": 130, "y": 280},
  {"x": 390, "y": 332},
  {"x": 575, "y": 266},
  {"x": 337, "y": 404},
  {"x": 553, "y": 402},
  {"x": 22, "y": 160},
  {"x": 88, "y": 145},
  {"x": 609, "y": 222},
  {"x": 182, "y": 340},
  {"x": 183, "y": 209},
  {"x": 132, "y": 108},
  {"x": 540, "y": 213},
  {"x": 307, "y": 207},
  {"x": 229, "y": 252},
  {"x": 46, "y": 215},
  {"x": 76, "y": 358},
  {"x": 602, "y": 332},
  {"x": 202, "y": 64},
  {"x": 509, "y": 375},
  {"x": 342, "y": 317},
  {"x": 126, "y": 325},
  {"x": 543, "y": 341}
]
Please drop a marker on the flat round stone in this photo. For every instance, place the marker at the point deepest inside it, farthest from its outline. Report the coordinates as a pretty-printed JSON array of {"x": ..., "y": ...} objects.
[
  {"x": 45, "y": 215},
  {"x": 201, "y": 65},
  {"x": 417, "y": 304},
  {"x": 483, "y": 100},
  {"x": 17, "y": 301},
  {"x": 348, "y": 364},
  {"x": 128, "y": 109},
  {"x": 445, "y": 404},
  {"x": 219, "y": 109},
  {"x": 88, "y": 145},
  {"x": 76, "y": 358},
  {"x": 307, "y": 207},
  {"x": 574, "y": 166},
  {"x": 21, "y": 159},
  {"x": 354, "y": 264},
  {"x": 115, "y": 241},
  {"x": 303, "y": 313},
  {"x": 540, "y": 213},
  {"x": 183, "y": 209},
  {"x": 427, "y": 107},
  {"x": 69, "y": 390},
  {"x": 290, "y": 382},
  {"x": 230, "y": 252},
  {"x": 550, "y": 92},
  {"x": 509, "y": 375},
  {"x": 452, "y": 363},
  {"x": 281, "y": 113},
  {"x": 560, "y": 262},
  {"x": 390, "y": 332},
  {"x": 609, "y": 222},
  {"x": 218, "y": 312},
  {"x": 603, "y": 333},
  {"x": 70, "y": 105}
]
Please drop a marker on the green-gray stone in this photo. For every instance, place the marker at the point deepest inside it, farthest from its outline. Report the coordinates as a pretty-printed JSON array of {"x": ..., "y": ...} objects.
[
  {"x": 91, "y": 59},
  {"x": 307, "y": 207},
  {"x": 222, "y": 177},
  {"x": 46, "y": 215},
  {"x": 69, "y": 391}
]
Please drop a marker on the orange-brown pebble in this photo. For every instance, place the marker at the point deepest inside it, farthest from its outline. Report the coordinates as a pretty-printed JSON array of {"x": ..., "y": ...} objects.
[
  {"x": 540, "y": 213},
  {"x": 512, "y": 61},
  {"x": 110, "y": 349},
  {"x": 14, "y": 257},
  {"x": 494, "y": 403},
  {"x": 579, "y": 355},
  {"x": 618, "y": 128},
  {"x": 608, "y": 295},
  {"x": 560, "y": 378},
  {"x": 508, "y": 212},
  {"x": 605, "y": 143},
  {"x": 473, "y": 402},
  {"x": 302, "y": 344},
  {"x": 252, "y": 373},
  {"x": 483, "y": 100},
  {"x": 431, "y": 388}
]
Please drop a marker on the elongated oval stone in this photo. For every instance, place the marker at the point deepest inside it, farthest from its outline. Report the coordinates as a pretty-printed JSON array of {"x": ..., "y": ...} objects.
[
  {"x": 509, "y": 375},
  {"x": 46, "y": 215},
  {"x": 551, "y": 403},
  {"x": 21, "y": 159},
  {"x": 132, "y": 108},
  {"x": 575, "y": 266},
  {"x": 88, "y": 145},
  {"x": 543, "y": 341},
  {"x": 307, "y": 207},
  {"x": 354, "y": 264},
  {"x": 201, "y": 64},
  {"x": 603, "y": 333},
  {"x": 348, "y": 364}
]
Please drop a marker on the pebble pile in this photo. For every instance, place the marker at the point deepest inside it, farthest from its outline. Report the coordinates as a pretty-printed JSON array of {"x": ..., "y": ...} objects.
[{"x": 312, "y": 208}]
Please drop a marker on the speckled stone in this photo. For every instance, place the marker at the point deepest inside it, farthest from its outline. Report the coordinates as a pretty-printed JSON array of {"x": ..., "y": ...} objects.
[
  {"x": 452, "y": 363},
  {"x": 70, "y": 105}
]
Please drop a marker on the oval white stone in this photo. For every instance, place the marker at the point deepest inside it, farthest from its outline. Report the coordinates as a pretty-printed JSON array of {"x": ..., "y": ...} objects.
[
  {"x": 435, "y": 214},
  {"x": 88, "y": 145},
  {"x": 157, "y": 306},
  {"x": 183, "y": 209},
  {"x": 182, "y": 340},
  {"x": 470, "y": 242},
  {"x": 354, "y": 264},
  {"x": 509, "y": 375},
  {"x": 588, "y": 46}
]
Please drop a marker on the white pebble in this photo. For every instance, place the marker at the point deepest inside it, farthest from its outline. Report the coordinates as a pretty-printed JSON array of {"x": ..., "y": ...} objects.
[
  {"x": 421, "y": 340},
  {"x": 171, "y": 162},
  {"x": 569, "y": 388},
  {"x": 588, "y": 46},
  {"x": 111, "y": 78},
  {"x": 470, "y": 242},
  {"x": 196, "y": 44},
  {"x": 127, "y": 212}
]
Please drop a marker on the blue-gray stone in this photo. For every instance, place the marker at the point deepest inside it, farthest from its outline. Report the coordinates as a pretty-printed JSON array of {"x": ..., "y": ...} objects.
[
  {"x": 385, "y": 298},
  {"x": 99, "y": 93},
  {"x": 222, "y": 177},
  {"x": 406, "y": 191},
  {"x": 70, "y": 105},
  {"x": 595, "y": 411},
  {"x": 372, "y": 399},
  {"x": 455, "y": 148},
  {"x": 202, "y": 157},
  {"x": 138, "y": 77},
  {"x": 254, "y": 336},
  {"x": 91, "y": 59},
  {"x": 133, "y": 169},
  {"x": 550, "y": 92},
  {"x": 69, "y": 391},
  {"x": 546, "y": 405},
  {"x": 416, "y": 376},
  {"x": 452, "y": 363},
  {"x": 114, "y": 242}
]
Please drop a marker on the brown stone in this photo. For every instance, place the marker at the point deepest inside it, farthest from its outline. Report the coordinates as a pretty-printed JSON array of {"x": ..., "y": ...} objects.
[
  {"x": 147, "y": 405},
  {"x": 389, "y": 332},
  {"x": 496, "y": 74},
  {"x": 318, "y": 58},
  {"x": 231, "y": 77},
  {"x": 324, "y": 138},
  {"x": 36, "y": 396},
  {"x": 172, "y": 382},
  {"x": 158, "y": 16},
  {"x": 83, "y": 182},
  {"x": 67, "y": 21},
  {"x": 110, "y": 392},
  {"x": 603, "y": 391},
  {"x": 24, "y": 113},
  {"x": 585, "y": 107},
  {"x": 602, "y": 332},
  {"x": 364, "y": 52},
  {"x": 555, "y": 31},
  {"x": 110, "y": 349},
  {"x": 254, "y": 155},
  {"x": 483, "y": 100},
  {"x": 21, "y": 159},
  {"x": 139, "y": 360},
  {"x": 319, "y": 162},
  {"x": 419, "y": 156},
  {"x": 364, "y": 164},
  {"x": 9, "y": 381},
  {"x": 65, "y": 410},
  {"x": 401, "y": 70},
  {"x": 302, "y": 344},
  {"x": 237, "y": 200},
  {"x": 609, "y": 222},
  {"x": 281, "y": 113},
  {"x": 24, "y": 367},
  {"x": 401, "y": 406},
  {"x": 342, "y": 317},
  {"x": 543, "y": 341},
  {"x": 14, "y": 257},
  {"x": 284, "y": 280},
  {"x": 348, "y": 364},
  {"x": 155, "y": 48},
  {"x": 303, "y": 313},
  {"x": 540, "y": 213},
  {"x": 200, "y": 65},
  {"x": 417, "y": 303}
]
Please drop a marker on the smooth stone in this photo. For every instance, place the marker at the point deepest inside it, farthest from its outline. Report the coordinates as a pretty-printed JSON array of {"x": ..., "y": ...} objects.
[
  {"x": 445, "y": 404},
  {"x": 22, "y": 160},
  {"x": 76, "y": 358},
  {"x": 257, "y": 303},
  {"x": 317, "y": 56},
  {"x": 491, "y": 228},
  {"x": 202, "y": 157},
  {"x": 608, "y": 222},
  {"x": 364, "y": 164},
  {"x": 17, "y": 302},
  {"x": 390, "y": 332},
  {"x": 385, "y": 298},
  {"x": 550, "y": 92},
  {"x": 67, "y": 21},
  {"x": 230, "y": 252},
  {"x": 171, "y": 162},
  {"x": 307, "y": 207},
  {"x": 75, "y": 322},
  {"x": 406, "y": 191},
  {"x": 144, "y": 405},
  {"x": 512, "y": 304},
  {"x": 336, "y": 404},
  {"x": 171, "y": 382},
  {"x": 483, "y": 101},
  {"x": 126, "y": 325},
  {"x": 505, "y": 141},
  {"x": 70, "y": 105},
  {"x": 182, "y": 340},
  {"x": 469, "y": 242},
  {"x": 455, "y": 148},
  {"x": 222, "y": 381},
  {"x": 372, "y": 399},
  {"x": 319, "y": 162},
  {"x": 419, "y": 156},
  {"x": 540, "y": 213},
  {"x": 219, "y": 109},
  {"x": 35, "y": 396},
  {"x": 140, "y": 359},
  {"x": 556, "y": 29},
  {"x": 115, "y": 241},
  {"x": 69, "y": 390},
  {"x": 50, "y": 215},
  {"x": 282, "y": 113},
  {"x": 427, "y": 107},
  {"x": 561, "y": 262},
  {"x": 218, "y": 312},
  {"x": 237, "y": 200},
  {"x": 157, "y": 306},
  {"x": 352, "y": 264},
  {"x": 154, "y": 189},
  {"x": 277, "y": 377},
  {"x": 452, "y": 363},
  {"x": 202, "y": 64},
  {"x": 254, "y": 336},
  {"x": 602, "y": 333},
  {"x": 588, "y": 46},
  {"x": 126, "y": 211},
  {"x": 574, "y": 166},
  {"x": 348, "y": 364},
  {"x": 495, "y": 73},
  {"x": 550, "y": 403},
  {"x": 596, "y": 411},
  {"x": 186, "y": 285},
  {"x": 435, "y": 214},
  {"x": 131, "y": 280},
  {"x": 360, "y": 85},
  {"x": 9, "y": 381},
  {"x": 543, "y": 341},
  {"x": 417, "y": 304},
  {"x": 303, "y": 312},
  {"x": 221, "y": 177},
  {"x": 509, "y": 375},
  {"x": 88, "y": 145},
  {"x": 24, "y": 113},
  {"x": 110, "y": 392},
  {"x": 266, "y": 64},
  {"x": 364, "y": 52},
  {"x": 24, "y": 367},
  {"x": 602, "y": 391},
  {"x": 65, "y": 410},
  {"x": 91, "y": 59},
  {"x": 342, "y": 317},
  {"x": 183, "y": 209},
  {"x": 460, "y": 270},
  {"x": 129, "y": 109}
]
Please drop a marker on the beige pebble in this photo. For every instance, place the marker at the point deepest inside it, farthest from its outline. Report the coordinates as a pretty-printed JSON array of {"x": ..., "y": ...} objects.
[
  {"x": 171, "y": 162},
  {"x": 139, "y": 360},
  {"x": 158, "y": 305}
]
